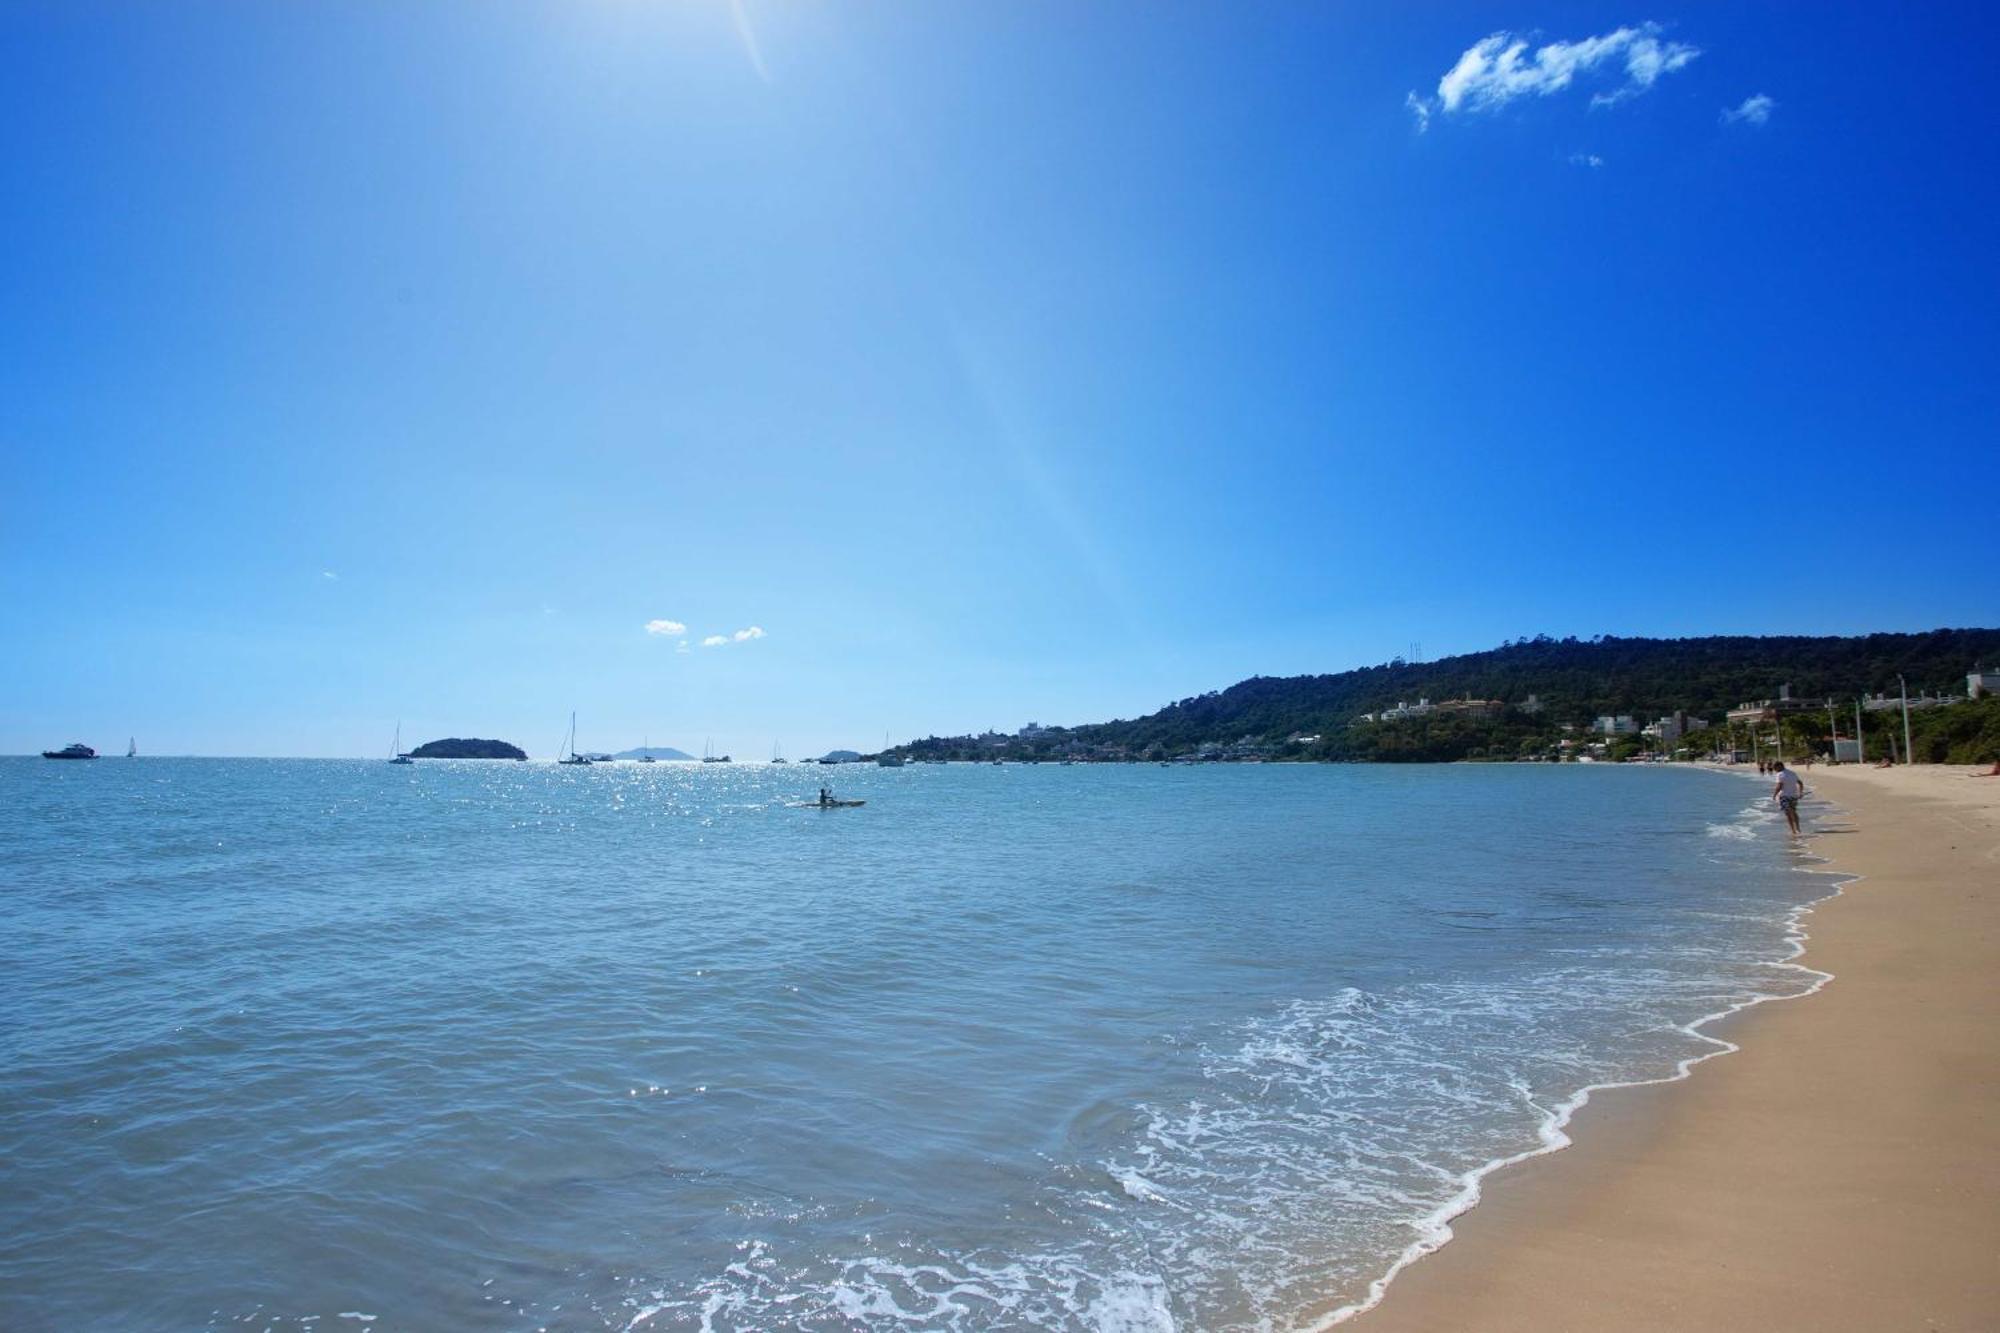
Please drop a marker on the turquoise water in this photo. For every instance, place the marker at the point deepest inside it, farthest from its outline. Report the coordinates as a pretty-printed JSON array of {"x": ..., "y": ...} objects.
[{"x": 325, "y": 1044}]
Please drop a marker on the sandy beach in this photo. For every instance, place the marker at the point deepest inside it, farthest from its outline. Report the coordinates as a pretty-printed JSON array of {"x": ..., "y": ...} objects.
[{"x": 1841, "y": 1171}]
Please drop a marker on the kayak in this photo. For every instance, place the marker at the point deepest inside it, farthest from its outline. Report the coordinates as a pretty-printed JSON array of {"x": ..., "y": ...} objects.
[{"x": 829, "y": 805}]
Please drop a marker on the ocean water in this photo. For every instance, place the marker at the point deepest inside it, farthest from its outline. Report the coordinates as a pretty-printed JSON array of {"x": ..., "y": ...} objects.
[{"x": 333, "y": 1044}]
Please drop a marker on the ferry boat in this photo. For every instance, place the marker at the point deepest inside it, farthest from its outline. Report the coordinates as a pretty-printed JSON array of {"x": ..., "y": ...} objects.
[{"x": 74, "y": 750}]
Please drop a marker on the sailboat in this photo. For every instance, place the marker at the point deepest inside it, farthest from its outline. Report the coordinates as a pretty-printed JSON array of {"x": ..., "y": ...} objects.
[
  {"x": 646, "y": 751},
  {"x": 396, "y": 755},
  {"x": 572, "y": 757},
  {"x": 709, "y": 756},
  {"x": 885, "y": 759},
  {"x": 777, "y": 758},
  {"x": 132, "y": 748}
]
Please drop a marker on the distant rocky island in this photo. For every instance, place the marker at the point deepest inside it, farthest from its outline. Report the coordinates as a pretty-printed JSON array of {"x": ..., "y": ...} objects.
[
  {"x": 657, "y": 752},
  {"x": 455, "y": 747}
]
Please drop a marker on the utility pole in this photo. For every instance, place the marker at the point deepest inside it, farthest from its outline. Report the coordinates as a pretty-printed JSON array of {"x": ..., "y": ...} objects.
[
  {"x": 1860, "y": 745},
  {"x": 1901, "y": 684}
]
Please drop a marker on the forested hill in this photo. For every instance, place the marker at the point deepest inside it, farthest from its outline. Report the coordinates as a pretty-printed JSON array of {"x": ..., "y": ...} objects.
[
  {"x": 1577, "y": 679},
  {"x": 1574, "y": 679}
]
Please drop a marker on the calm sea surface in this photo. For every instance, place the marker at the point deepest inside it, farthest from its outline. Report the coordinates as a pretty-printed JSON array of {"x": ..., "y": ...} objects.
[{"x": 333, "y": 1044}]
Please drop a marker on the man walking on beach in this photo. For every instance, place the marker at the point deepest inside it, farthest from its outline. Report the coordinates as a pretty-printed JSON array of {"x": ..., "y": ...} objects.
[{"x": 1788, "y": 791}]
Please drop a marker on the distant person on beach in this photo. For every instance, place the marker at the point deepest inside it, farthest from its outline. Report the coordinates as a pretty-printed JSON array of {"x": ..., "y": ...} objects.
[{"x": 1787, "y": 792}]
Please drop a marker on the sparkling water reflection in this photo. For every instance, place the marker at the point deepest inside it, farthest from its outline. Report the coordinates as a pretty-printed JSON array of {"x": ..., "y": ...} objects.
[{"x": 491, "y": 1045}]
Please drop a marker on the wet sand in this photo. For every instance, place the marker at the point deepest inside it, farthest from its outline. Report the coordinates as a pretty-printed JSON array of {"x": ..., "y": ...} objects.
[{"x": 1841, "y": 1171}]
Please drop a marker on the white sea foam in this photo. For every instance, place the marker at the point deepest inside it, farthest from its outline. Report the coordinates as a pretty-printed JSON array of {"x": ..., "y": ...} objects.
[
  {"x": 1330, "y": 1144},
  {"x": 1434, "y": 1230},
  {"x": 1132, "y": 1303},
  {"x": 1138, "y": 1186}
]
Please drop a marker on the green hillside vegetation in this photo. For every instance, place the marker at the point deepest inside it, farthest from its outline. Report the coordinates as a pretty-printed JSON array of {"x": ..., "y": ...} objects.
[
  {"x": 1574, "y": 680},
  {"x": 1967, "y": 733}
]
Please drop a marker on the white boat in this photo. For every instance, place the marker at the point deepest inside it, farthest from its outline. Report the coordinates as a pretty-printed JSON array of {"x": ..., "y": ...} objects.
[
  {"x": 572, "y": 757},
  {"x": 396, "y": 755},
  {"x": 132, "y": 748},
  {"x": 646, "y": 751}
]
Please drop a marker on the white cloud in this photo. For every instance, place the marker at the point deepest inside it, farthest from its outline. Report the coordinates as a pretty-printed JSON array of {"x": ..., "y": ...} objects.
[
  {"x": 748, "y": 34},
  {"x": 740, "y": 636},
  {"x": 329, "y": 576},
  {"x": 1420, "y": 109},
  {"x": 1755, "y": 110},
  {"x": 1497, "y": 69},
  {"x": 1591, "y": 160},
  {"x": 667, "y": 628}
]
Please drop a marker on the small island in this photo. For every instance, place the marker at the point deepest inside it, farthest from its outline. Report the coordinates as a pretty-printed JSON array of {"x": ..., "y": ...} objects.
[{"x": 456, "y": 748}]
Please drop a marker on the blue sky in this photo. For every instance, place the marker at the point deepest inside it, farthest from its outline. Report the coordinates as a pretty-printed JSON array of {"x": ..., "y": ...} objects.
[{"x": 1001, "y": 362}]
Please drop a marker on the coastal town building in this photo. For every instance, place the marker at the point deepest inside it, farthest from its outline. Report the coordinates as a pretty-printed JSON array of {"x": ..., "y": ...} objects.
[
  {"x": 1674, "y": 726},
  {"x": 1622, "y": 724},
  {"x": 1768, "y": 710},
  {"x": 1981, "y": 683},
  {"x": 1884, "y": 703},
  {"x": 1532, "y": 705},
  {"x": 1471, "y": 707}
]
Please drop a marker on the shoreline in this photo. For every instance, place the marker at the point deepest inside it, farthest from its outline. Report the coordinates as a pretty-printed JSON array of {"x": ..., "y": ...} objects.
[
  {"x": 1553, "y": 1134},
  {"x": 1729, "y": 1200}
]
